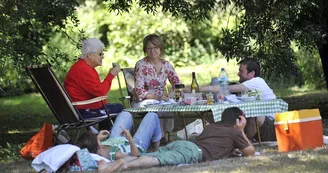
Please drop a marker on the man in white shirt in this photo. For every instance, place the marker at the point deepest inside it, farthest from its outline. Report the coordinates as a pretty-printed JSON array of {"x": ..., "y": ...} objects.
[{"x": 249, "y": 78}]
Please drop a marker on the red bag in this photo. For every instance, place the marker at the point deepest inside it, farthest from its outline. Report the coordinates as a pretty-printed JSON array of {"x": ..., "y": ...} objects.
[{"x": 40, "y": 142}]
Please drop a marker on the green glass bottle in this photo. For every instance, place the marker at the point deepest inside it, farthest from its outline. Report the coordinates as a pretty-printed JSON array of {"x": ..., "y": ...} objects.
[{"x": 194, "y": 85}]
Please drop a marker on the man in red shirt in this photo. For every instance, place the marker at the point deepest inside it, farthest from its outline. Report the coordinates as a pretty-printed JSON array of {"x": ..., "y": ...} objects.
[{"x": 82, "y": 82}]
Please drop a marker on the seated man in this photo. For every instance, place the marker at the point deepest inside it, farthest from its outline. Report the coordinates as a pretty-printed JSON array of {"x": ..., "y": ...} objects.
[
  {"x": 116, "y": 147},
  {"x": 249, "y": 78},
  {"x": 217, "y": 141},
  {"x": 82, "y": 82}
]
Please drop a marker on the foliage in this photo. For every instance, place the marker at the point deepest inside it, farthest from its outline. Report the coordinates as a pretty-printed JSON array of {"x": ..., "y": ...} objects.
[
  {"x": 10, "y": 152},
  {"x": 186, "y": 42},
  {"x": 38, "y": 31},
  {"x": 26, "y": 26},
  {"x": 271, "y": 26},
  {"x": 264, "y": 29},
  {"x": 311, "y": 68}
]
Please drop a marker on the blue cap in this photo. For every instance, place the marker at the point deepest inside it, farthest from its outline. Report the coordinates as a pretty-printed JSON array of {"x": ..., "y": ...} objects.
[{"x": 222, "y": 69}]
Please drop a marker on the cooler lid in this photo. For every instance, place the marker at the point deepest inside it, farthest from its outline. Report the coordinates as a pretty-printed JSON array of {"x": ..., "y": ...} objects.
[{"x": 297, "y": 116}]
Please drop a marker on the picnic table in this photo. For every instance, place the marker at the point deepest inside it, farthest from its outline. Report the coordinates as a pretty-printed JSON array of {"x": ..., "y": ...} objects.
[{"x": 251, "y": 108}]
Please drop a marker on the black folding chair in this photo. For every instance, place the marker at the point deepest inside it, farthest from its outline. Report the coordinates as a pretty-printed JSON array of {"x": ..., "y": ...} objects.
[{"x": 59, "y": 102}]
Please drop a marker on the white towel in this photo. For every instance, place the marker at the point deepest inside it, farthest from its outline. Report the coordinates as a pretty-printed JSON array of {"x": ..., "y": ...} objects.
[{"x": 53, "y": 158}]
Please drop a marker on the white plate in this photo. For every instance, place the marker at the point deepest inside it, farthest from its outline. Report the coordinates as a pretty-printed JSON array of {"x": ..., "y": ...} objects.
[
  {"x": 153, "y": 105},
  {"x": 247, "y": 98},
  {"x": 201, "y": 102},
  {"x": 161, "y": 105}
]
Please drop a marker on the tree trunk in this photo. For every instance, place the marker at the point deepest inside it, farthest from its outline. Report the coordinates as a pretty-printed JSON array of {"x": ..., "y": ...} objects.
[{"x": 323, "y": 51}]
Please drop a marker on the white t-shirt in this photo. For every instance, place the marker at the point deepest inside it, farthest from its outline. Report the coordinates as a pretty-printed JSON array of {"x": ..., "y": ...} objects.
[{"x": 259, "y": 84}]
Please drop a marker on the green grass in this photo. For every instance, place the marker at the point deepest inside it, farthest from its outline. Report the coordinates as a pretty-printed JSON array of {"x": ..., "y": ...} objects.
[{"x": 22, "y": 116}]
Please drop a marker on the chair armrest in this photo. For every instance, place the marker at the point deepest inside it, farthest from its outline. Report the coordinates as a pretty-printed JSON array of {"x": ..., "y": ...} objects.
[
  {"x": 97, "y": 99},
  {"x": 125, "y": 98}
]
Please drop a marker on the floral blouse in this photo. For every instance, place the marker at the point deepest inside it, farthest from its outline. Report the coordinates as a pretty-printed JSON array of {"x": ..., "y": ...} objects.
[{"x": 148, "y": 81}]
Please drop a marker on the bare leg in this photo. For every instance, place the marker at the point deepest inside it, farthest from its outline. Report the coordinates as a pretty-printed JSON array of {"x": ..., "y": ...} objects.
[
  {"x": 250, "y": 128},
  {"x": 108, "y": 167},
  {"x": 129, "y": 158},
  {"x": 143, "y": 161}
]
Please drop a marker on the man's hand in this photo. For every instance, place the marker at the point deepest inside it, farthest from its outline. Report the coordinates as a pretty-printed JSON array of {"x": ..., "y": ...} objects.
[
  {"x": 236, "y": 153},
  {"x": 241, "y": 122},
  {"x": 115, "y": 70},
  {"x": 103, "y": 135}
]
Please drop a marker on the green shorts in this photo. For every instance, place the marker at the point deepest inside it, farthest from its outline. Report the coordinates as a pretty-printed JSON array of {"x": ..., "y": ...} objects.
[{"x": 178, "y": 152}]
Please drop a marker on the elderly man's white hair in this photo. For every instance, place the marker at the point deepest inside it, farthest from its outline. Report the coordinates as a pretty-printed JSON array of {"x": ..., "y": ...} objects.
[{"x": 91, "y": 45}]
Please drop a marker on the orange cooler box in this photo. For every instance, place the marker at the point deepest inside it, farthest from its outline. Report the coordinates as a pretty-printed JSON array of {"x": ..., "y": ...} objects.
[{"x": 298, "y": 130}]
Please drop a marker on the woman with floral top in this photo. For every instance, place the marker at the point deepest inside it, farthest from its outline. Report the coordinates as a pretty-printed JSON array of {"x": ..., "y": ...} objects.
[{"x": 151, "y": 74}]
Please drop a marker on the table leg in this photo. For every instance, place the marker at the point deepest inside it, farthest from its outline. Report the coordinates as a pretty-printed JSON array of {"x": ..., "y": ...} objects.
[
  {"x": 185, "y": 126},
  {"x": 258, "y": 131}
]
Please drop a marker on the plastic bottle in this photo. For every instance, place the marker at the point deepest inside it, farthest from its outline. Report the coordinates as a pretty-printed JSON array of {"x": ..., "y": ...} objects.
[
  {"x": 215, "y": 81},
  {"x": 194, "y": 85},
  {"x": 223, "y": 82}
]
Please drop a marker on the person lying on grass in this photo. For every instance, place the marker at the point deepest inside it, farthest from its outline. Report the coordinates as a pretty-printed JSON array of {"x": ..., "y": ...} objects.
[
  {"x": 115, "y": 148},
  {"x": 217, "y": 141}
]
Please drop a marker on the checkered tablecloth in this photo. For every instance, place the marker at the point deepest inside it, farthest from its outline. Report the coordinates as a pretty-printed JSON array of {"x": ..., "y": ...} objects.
[{"x": 251, "y": 108}]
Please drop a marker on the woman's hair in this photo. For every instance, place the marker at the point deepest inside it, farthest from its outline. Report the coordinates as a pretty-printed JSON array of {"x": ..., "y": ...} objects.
[
  {"x": 155, "y": 40},
  {"x": 91, "y": 45},
  {"x": 88, "y": 140},
  {"x": 230, "y": 115}
]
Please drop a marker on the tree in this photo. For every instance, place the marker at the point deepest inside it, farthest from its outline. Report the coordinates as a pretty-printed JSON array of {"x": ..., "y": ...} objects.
[
  {"x": 26, "y": 26},
  {"x": 266, "y": 28}
]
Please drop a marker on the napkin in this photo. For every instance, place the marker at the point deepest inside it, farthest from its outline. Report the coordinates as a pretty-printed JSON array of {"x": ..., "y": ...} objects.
[
  {"x": 232, "y": 98},
  {"x": 156, "y": 102}
]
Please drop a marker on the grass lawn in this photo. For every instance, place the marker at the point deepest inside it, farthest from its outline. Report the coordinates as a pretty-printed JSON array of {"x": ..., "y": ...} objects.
[{"x": 22, "y": 116}]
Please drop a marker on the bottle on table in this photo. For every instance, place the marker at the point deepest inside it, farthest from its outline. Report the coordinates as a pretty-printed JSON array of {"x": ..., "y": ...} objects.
[
  {"x": 215, "y": 81},
  {"x": 223, "y": 82},
  {"x": 194, "y": 85},
  {"x": 210, "y": 99},
  {"x": 178, "y": 90}
]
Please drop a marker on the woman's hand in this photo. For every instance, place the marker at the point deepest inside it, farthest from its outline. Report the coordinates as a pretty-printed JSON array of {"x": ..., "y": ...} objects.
[{"x": 115, "y": 70}]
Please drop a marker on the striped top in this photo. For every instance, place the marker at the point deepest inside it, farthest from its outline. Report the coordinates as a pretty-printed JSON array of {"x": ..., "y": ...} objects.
[{"x": 119, "y": 144}]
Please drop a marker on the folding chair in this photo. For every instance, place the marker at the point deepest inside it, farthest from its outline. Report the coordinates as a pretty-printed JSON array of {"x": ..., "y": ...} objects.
[
  {"x": 59, "y": 102},
  {"x": 128, "y": 74}
]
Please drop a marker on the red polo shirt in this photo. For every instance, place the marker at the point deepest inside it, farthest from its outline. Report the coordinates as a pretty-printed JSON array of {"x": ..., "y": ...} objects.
[{"x": 82, "y": 82}]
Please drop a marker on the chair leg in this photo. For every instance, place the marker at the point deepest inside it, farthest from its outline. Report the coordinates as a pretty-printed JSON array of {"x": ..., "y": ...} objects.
[
  {"x": 56, "y": 136},
  {"x": 77, "y": 136}
]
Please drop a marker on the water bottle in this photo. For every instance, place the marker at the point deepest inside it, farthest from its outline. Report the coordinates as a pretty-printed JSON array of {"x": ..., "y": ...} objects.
[
  {"x": 215, "y": 81},
  {"x": 223, "y": 82}
]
